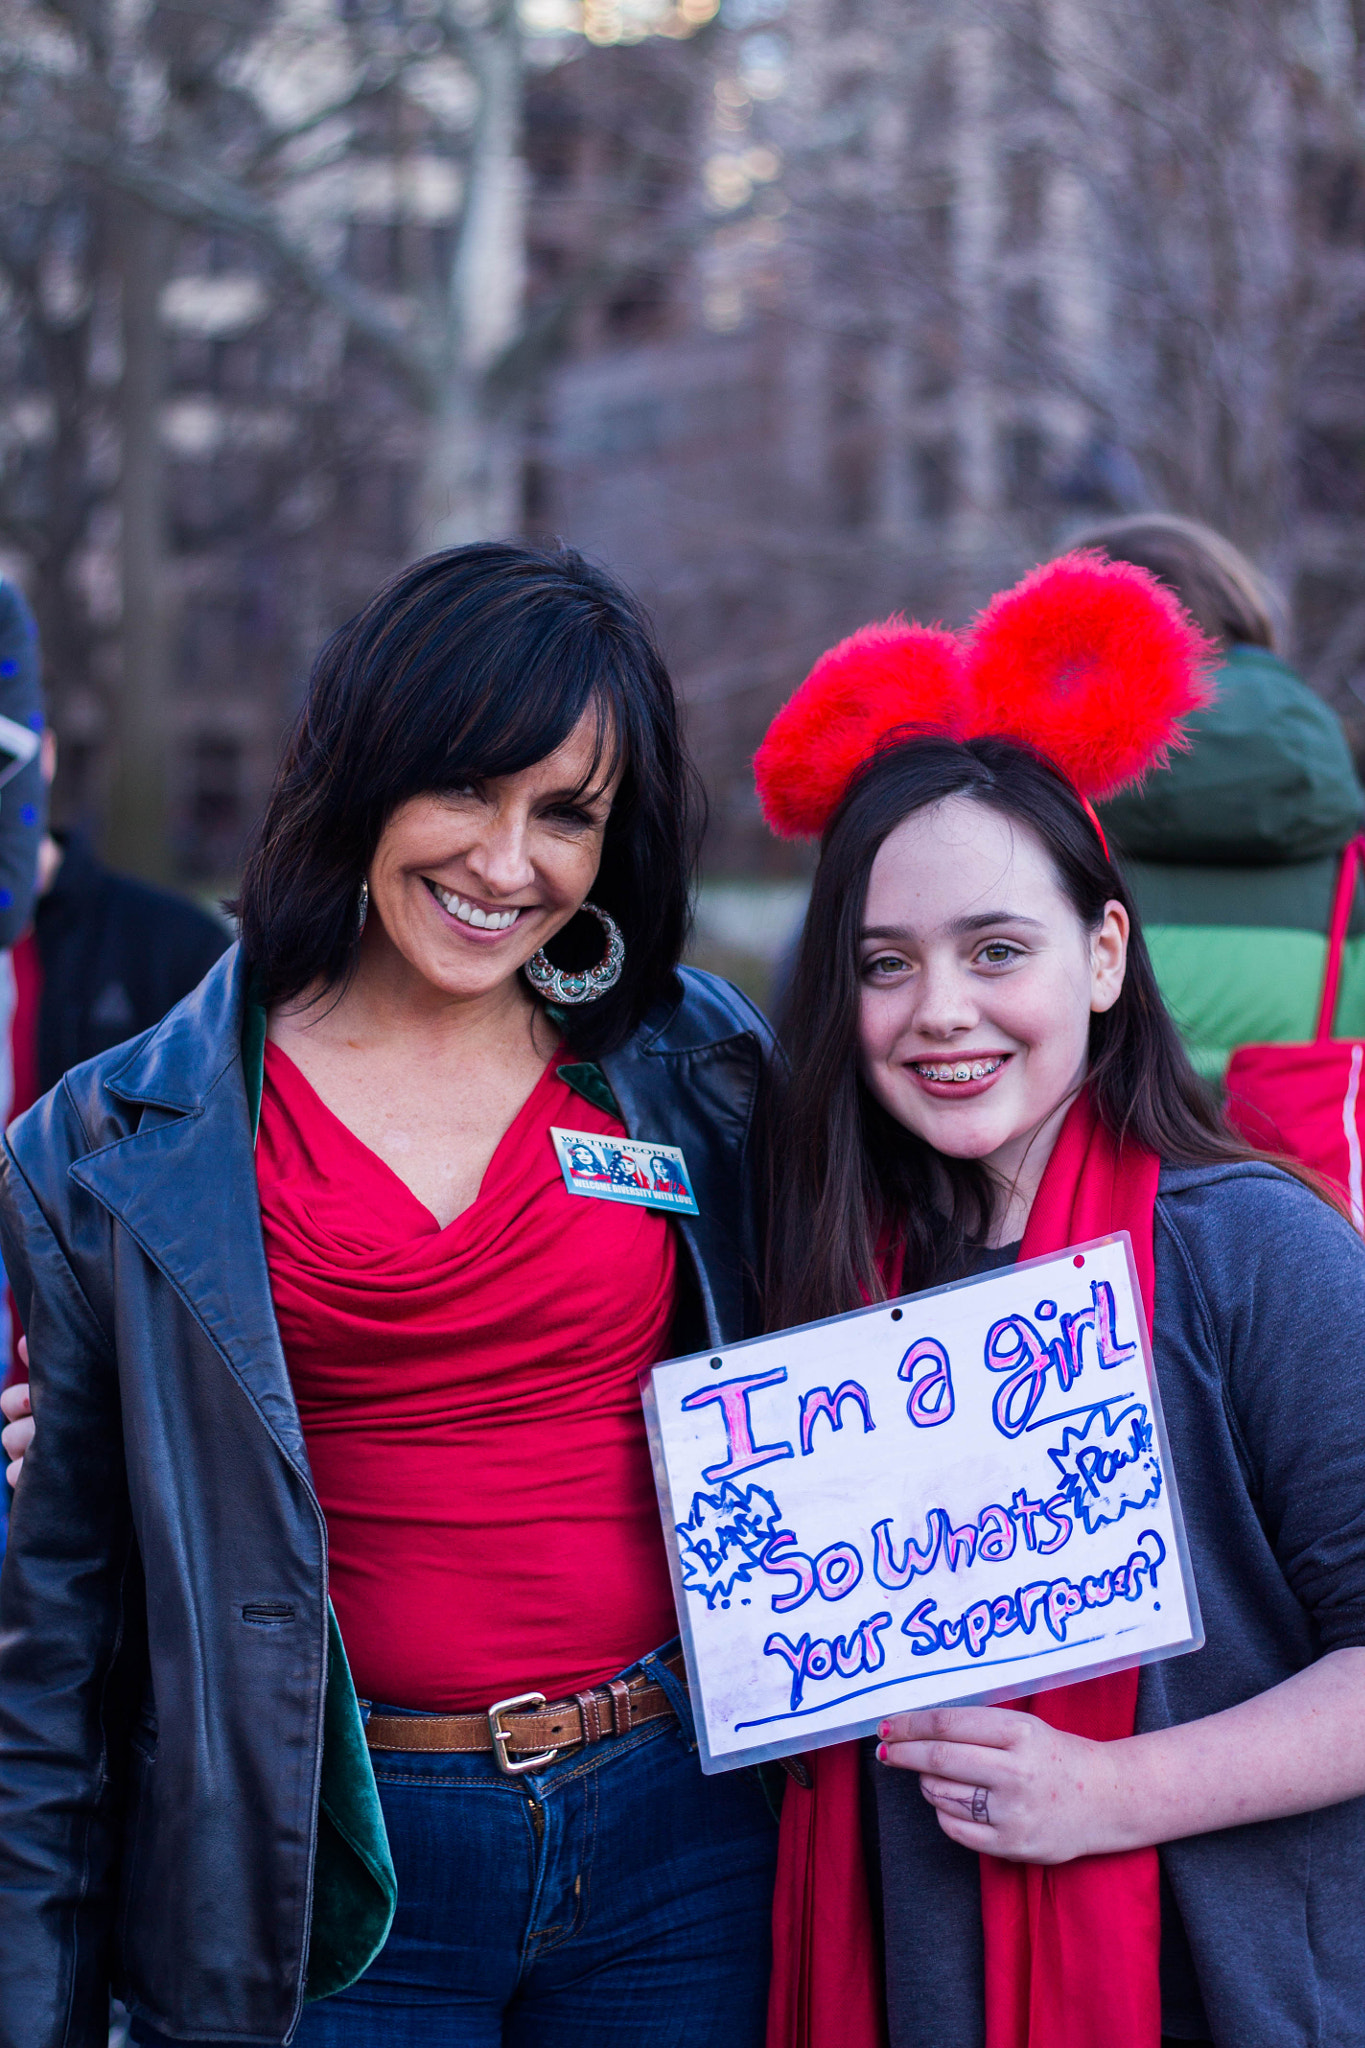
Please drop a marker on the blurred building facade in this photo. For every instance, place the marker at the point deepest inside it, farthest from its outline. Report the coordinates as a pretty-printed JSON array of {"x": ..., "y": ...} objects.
[
  {"x": 964, "y": 303},
  {"x": 824, "y": 308}
]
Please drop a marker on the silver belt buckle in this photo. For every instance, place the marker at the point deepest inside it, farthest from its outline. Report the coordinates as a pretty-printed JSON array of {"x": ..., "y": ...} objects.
[{"x": 534, "y": 1701}]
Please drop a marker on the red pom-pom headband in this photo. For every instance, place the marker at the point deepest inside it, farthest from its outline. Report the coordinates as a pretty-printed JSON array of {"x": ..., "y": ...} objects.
[{"x": 1091, "y": 663}]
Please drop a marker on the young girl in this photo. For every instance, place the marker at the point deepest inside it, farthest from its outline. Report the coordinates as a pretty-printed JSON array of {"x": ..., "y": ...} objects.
[{"x": 982, "y": 1069}]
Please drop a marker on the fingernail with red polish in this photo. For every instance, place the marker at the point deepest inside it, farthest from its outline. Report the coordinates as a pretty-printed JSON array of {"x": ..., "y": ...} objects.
[
  {"x": 885, "y": 1728},
  {"x": 881, "y": 1752}
]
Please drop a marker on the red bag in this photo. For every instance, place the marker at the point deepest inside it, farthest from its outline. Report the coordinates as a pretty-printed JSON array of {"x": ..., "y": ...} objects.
[{"x": 1305, "y": 1100}]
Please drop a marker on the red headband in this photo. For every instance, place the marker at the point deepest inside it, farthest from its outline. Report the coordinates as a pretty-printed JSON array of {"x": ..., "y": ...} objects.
[{"x": 1091, "y": 663}]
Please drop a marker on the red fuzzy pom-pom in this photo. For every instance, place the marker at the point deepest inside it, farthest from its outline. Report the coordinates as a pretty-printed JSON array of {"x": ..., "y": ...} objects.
[
  {"x": 881, "y": 679},
  {"x": 1094, "y": 664}
]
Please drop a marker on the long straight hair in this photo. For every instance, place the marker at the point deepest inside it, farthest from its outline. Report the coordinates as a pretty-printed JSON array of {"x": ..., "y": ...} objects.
[{"x": 846, "y": 1176}]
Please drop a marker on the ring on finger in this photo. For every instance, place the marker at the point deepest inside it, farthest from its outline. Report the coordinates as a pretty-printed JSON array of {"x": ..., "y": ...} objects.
[{"x": 981, "y": 1806}]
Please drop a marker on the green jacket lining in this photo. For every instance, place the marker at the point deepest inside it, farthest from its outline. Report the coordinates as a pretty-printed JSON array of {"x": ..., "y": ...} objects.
[{"x": 355, "y": 1889}]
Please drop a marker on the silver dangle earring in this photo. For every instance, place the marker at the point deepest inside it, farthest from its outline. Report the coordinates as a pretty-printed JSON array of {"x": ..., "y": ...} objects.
[
  {"x": 362, "y": 906},
  {"x": 559, "y": 985}
]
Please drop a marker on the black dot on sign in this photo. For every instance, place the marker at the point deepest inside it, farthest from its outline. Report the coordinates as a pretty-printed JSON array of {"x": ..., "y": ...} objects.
[
  {"x": 1156, "y": 1607},
  {"x": 716, "y": 1364},
  {"x": 896, "y": 1314}
]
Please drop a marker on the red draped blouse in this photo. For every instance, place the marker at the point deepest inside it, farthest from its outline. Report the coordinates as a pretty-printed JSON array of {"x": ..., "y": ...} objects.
[{"x": 470, "y": 1402}]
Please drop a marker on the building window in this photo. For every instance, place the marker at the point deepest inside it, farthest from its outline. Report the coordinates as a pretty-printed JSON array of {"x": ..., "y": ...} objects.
[
  {"x": 1333, "y": 197},
  {"x": 1332, "y": 471},
  {"x": 934, "y": 474},
  {"x": 1023, "y": 460},
  {"x": 374, "y": 253},
  {"x": 537, "y": 496},
  {"x": 216, "y": 808},
  {"x": 850, "y": 109},
  {"x": 1025, "y": 193},
  {"x": 936, "y": 359},
  {"x": 380, "y": 497},
  {"x": 936, "y": 212},
  {"x": 853, "y": 453},
  {"x": 1026, "y": 327},
  {"x": 638, "y": 310},
  {"x": 75, "y": 797},
  {"x": 632, "y": 429},
  {"x": 853, "y": 481}
]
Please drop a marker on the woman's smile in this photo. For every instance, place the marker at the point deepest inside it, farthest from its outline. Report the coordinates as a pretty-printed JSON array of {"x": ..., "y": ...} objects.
[
  {"x": 476, "y": 914},
  {"x": 962, "y": 1076}
]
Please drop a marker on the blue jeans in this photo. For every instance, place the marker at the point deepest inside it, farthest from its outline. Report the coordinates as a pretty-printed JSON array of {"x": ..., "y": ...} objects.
[{"x": 614, "y": 1899}]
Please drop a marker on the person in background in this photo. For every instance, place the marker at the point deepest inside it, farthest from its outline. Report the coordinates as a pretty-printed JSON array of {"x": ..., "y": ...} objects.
[
  {"x": 1232, "y": 850},
  {"x": 106, "y": 957},
  {"x": 23, "y": 803},
  {"x": 23, "y": 819}
]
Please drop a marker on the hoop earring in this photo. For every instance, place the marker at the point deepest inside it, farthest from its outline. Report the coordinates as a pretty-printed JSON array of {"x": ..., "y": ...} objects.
[
  {"x": 559, "y": 985},
  {"x": 362, "y": 906}
]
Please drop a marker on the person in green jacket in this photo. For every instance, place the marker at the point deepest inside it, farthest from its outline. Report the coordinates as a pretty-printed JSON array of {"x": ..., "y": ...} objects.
[{"x": 1232, "y": 850}]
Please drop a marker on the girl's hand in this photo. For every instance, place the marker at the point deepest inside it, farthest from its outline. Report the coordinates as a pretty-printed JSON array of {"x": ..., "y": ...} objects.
[
  {"x": 17, "y": 1434},
  {"x": 1005, "y": 1783}
]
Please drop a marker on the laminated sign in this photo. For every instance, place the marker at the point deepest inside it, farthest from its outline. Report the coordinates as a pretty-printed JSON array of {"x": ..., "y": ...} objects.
[{"x": 962, "y": 1495}]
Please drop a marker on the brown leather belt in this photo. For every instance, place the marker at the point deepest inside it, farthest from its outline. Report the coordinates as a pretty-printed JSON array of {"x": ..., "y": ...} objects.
[{"x": 527, "y": 1724}]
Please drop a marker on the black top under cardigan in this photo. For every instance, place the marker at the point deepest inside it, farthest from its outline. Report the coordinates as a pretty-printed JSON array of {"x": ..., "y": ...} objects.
[{"x": 1260, "y": 1355}]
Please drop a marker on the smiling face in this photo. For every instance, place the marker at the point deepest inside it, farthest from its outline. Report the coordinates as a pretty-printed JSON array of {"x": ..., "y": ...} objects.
[
  {"x": 978, "y": 985},
  {"x": 464, "y": 887}
]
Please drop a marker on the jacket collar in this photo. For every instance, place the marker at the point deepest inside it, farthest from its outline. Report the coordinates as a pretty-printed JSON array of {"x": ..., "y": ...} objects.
[
  {"x": 180, "y": 1063},
  {"x": 690, "y": 1076},
  {"x": 176, "y": 1066},
  {"x": 183, "y": 1183}
]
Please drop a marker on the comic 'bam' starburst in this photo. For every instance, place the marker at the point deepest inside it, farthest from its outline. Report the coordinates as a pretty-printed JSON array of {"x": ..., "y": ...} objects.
[{"x": 723, "y": 1539}]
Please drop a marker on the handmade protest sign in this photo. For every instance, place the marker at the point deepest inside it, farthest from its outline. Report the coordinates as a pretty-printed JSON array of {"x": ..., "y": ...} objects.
[{"x": 961, "y": 1495}]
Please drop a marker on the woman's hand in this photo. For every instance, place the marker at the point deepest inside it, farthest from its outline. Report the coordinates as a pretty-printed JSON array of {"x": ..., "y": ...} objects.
[
  {"x": 17, "y": 1434},
  {"x": 1005, "y": 1783}
]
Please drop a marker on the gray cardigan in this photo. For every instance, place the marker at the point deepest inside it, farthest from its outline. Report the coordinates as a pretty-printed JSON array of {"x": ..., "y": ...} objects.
[{"x": 1260, "y": 1355}]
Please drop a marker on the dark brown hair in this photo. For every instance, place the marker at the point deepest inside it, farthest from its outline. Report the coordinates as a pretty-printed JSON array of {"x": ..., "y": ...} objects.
[
  {"x": 1225, "y": 595},
  {"x": 477, "y": 663},
  {"x": 844, "y": 1170}
]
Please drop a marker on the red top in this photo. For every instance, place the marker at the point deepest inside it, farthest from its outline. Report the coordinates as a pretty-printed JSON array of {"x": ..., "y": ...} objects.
[{"x": 471, "y": 1406}]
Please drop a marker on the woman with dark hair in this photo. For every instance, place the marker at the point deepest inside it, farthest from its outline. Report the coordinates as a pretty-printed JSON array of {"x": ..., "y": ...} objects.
[
  {"x": 339, "y": 1700},
  {"x": 982, "y": 1069}
]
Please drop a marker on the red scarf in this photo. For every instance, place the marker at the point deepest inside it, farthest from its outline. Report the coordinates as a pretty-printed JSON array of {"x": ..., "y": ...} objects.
[{"x": 1073, "y": 1950}]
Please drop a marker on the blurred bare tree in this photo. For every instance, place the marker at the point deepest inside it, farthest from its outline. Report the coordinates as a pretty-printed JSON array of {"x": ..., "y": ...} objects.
[
  {"x": 347, "y": 185},
  {"x": 1052, "y": 257},
  {"x": 1213, "y": 145}
]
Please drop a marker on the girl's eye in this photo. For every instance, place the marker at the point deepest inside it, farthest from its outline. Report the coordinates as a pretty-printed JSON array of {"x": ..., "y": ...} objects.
[
  {"x": 884, "y": 965},
  {"x": 998, "y": 954}
]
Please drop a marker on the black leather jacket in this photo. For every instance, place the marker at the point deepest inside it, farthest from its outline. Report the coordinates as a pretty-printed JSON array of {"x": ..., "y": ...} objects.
[{"x": 163, "y": 1605}]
